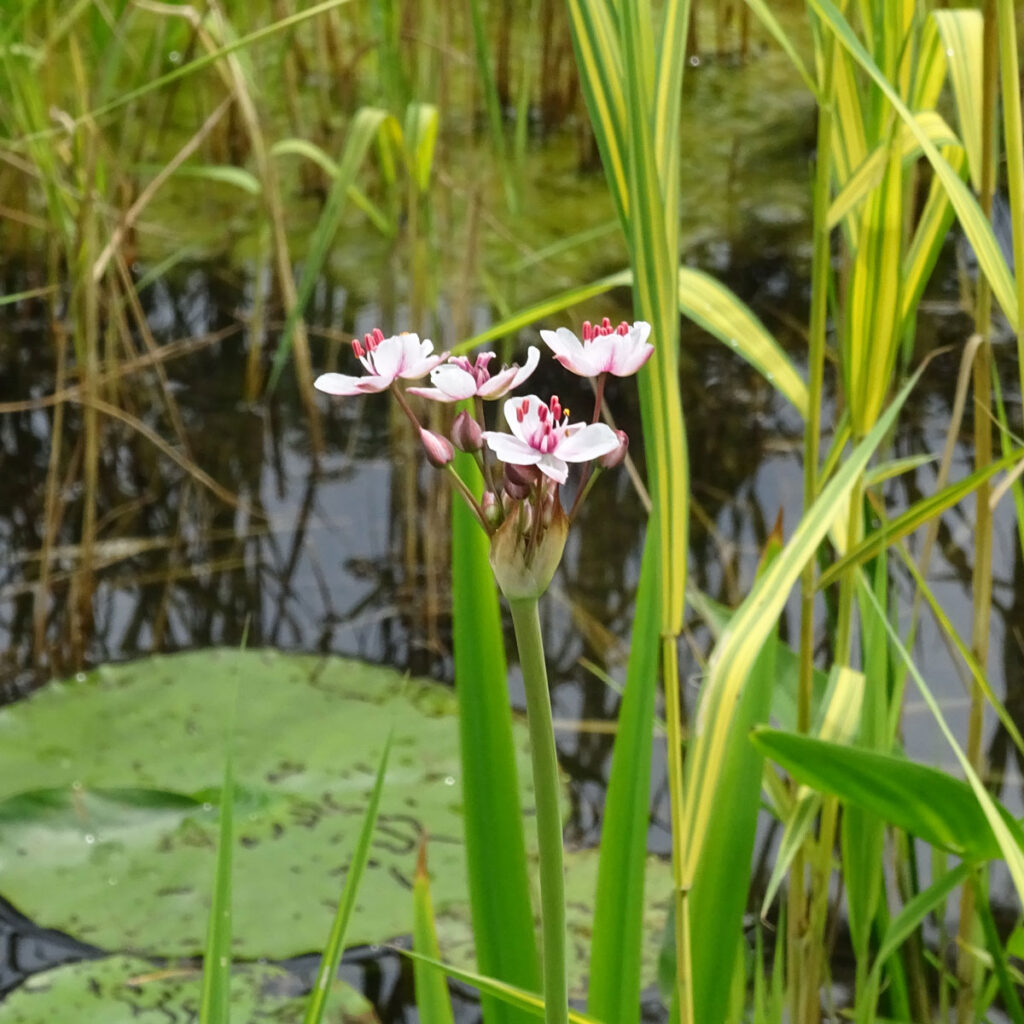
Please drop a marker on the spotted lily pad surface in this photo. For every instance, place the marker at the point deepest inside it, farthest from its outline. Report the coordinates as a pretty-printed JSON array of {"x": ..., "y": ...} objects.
[
  {"x": 110, "y": 822},
  {"x": 127, "y": 990},
  {"x": 109, "y": 785}
]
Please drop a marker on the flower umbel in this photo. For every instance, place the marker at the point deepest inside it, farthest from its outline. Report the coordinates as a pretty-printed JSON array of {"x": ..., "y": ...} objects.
[
  {"x": 385, "y": 359},
  {"x": 620, "y": 351},
  {"x": 542, "y": 436},
  {"x": 459, "y": 378}
]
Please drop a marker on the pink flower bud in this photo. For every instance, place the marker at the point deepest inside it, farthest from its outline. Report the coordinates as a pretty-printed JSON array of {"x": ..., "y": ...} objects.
[
  {"x": 616, "y": 455},
  {"x": 466, "y": 433},
  {"x": 516, "y": 491},
  {"x": 525, "y": 476},
  {"x": 439, "y": 449},
  {"x": 519, "y": 480}
]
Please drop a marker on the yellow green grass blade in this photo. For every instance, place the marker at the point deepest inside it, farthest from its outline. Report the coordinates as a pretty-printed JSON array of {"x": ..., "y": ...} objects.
[
  {"x": 871, "y": 339},
  {"x": 433, "y": 1001},
  {"x": 545, "y": 308},
  {"x": 1013, "y": 133},
  {"x": 961, "y": 33},
  {"x": 740, "y": 645},
  {"x": 499, "y": 887},
  {"x": 715, "y": 308},
  {"x": 764, "y": 14},
  {"x": 599, "y": 59},
  {"x": 914, "y": 517},
  {"x": 872, "y": 170},
  {"x": 972, "y": 220},
  {"x": 336, "y": 940},
  {"x": 932, "y": 229},
  {"x": 717, "y": 898}
]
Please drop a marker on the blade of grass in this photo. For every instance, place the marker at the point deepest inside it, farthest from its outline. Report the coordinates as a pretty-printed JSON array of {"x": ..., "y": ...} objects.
[
  {"x": 336, "y": 940},
  {"x": 512, "y": 995},
  {"x": 433, "y": 1001},
  {"x": 499, "y": 886}
]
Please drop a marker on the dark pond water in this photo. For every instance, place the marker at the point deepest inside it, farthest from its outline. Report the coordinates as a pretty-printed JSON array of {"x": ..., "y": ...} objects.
[{"x": 329, "y": 556}]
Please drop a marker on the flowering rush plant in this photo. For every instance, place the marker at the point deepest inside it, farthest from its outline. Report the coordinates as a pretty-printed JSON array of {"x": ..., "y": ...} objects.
[
  {"x": 523, "y": 468},
  {"x": 520, "y": 509}
]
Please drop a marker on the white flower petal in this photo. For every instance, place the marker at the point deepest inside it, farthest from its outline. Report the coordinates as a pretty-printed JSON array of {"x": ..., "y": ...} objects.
[
  {"x": 567, "y": 350},
  {"x": 388, "y": 356},
  {"x": 593, "y": 441},
  {"x": 343, "y": 384},
  {"x": 510, "y": 449},
  {"x": 511, "y": 408},
  {"x": 554, "y": 467},
  {"x": 453, "y": 381}
]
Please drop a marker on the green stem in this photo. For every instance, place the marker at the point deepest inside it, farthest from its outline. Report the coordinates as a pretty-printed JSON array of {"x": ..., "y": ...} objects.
[{"x": 549, "y": 817}]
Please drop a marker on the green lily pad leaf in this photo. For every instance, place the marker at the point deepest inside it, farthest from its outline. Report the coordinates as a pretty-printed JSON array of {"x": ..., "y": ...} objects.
[
  {"x": 108, "y": 806},
  {"x": 129, "y": 990},
  {"x": 84, "y": 851}
]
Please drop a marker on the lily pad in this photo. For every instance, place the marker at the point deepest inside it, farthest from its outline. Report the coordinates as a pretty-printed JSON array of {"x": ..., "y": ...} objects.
[
  {"x": 128, "y": 990},
  {"x": 108, "y": 806},
  {"x": 85, "y": 850}
]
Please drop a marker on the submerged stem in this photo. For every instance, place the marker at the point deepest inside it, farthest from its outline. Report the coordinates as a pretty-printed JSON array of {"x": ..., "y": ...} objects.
[{"x": 549, "y": 818}]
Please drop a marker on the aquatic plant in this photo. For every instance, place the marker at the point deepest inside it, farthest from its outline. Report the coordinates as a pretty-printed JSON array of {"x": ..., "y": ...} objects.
[{"x": 524, "y": 521}]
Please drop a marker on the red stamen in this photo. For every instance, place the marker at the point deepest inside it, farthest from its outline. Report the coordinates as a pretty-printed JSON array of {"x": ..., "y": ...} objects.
[
  {"x": 542, "y": 413},
  {"x": 370, "y": 342},
  {"x": 622, "y": 329},
  {"x": 378, "y": 334},
  {"x": 588, "y": 330},
  {"x": 358, "y": 349}
]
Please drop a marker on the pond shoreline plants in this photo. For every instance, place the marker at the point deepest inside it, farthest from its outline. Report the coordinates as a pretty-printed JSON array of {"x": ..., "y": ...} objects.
[{"x": 917, "y": 129}]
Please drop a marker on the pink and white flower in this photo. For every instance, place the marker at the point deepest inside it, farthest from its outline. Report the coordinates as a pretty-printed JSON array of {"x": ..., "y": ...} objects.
[
  {"x": 459, "y": 378},
  {"x": 620, "y": 351},
  {"x": 542, "y": 436},
  {"x": 385, "y": 360}
]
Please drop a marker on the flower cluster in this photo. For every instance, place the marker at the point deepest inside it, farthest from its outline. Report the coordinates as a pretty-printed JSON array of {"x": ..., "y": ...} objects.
[{"x": 520, "y": 510}]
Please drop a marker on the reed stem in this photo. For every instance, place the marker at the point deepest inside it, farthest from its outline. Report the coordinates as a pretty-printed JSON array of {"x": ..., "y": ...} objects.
[{"x": 549, "y": 818}]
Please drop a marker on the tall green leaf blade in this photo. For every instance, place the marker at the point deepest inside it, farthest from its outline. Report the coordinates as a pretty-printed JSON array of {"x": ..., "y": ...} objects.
[
  {"x": 961, "y": 33},
  {"x": 721, "y": 881},
  {"x": 499, "y": 888},
  {"x": 336, "y": 940},
  {"x": 433, "y": 1001},
  {"x": 615, "y": 952}
]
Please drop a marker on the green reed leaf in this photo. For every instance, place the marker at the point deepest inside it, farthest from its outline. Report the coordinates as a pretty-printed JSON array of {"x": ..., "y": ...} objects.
[
  {"x": 499, "y": 887},
  {"x": 923, "y": 801}
]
